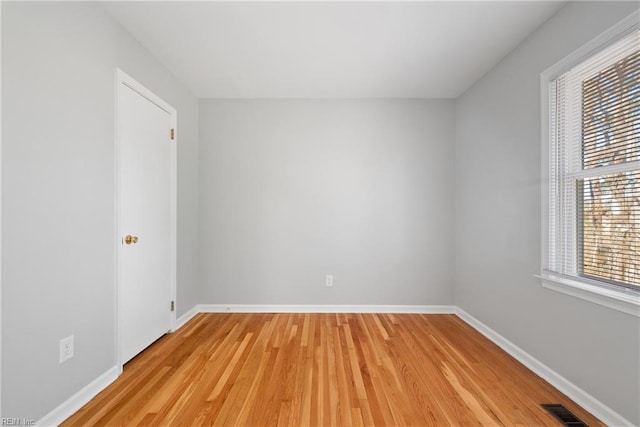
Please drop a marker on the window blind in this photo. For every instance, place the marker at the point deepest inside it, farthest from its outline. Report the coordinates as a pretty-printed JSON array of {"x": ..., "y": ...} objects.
[{"x": 594, "y": 167}]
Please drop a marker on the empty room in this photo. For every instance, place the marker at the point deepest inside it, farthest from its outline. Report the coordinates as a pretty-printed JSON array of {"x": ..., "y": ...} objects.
[{"x": 325, "y": 213}]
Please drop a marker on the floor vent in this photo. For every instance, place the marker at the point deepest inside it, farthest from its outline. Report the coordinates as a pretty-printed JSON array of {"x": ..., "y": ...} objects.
[{"x": 563, "y": 415}]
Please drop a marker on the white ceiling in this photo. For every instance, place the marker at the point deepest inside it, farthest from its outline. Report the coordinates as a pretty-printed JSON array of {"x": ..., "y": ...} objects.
[{"x": 330, "y": 49}]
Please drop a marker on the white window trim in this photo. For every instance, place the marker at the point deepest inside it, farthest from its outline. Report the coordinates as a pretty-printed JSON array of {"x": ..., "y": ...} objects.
[{"x": 622, "y": 299}]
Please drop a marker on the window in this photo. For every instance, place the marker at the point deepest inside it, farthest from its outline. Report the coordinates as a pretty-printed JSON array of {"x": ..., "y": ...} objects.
[{"x": 592, "y": 174}]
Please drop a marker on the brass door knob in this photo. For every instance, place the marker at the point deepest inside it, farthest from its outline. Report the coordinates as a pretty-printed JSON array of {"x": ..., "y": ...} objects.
[{"x": 129, "y": 239}]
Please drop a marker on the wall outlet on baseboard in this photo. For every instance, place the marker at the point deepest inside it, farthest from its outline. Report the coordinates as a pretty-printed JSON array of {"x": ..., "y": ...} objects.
[
  {"x": 66, "y": 348},
  {"x": 329, "y": 280}
]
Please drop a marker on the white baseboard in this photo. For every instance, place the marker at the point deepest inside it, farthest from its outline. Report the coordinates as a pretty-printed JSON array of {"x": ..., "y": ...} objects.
[
  {"x": 581, "y": 397},
  {"x": 186, "y": 317},
  {"x": 81, "y": 398},
  {"x": 266, "y": 308},
  {"x": 78, "y": 400},
  {"x": 575, "y": 393}
]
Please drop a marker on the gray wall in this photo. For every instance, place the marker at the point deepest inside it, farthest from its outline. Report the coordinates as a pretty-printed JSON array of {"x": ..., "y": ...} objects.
[
  {"x": 498, "y": 221},
  {"x": 291, "y": 190},
  {"x": 58, "y": 245}
]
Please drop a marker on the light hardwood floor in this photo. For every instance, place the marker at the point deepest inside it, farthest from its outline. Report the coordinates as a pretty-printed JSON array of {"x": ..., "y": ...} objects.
[{"x": 325, "y": 370}]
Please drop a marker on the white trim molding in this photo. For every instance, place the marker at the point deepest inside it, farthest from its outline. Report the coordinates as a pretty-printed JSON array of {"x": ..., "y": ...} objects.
[
  {"x": 607, "y": 37},
  {"x": 624, "y": 300},
  {"x": 182, "y": 320},
  {"x": 552, "y": 277},
  {"x": 266, "y": 308},
  {"x": 78, "y": 400},
  {"x": 81, "y": 398},
  {"x": 581, "y": 397}
]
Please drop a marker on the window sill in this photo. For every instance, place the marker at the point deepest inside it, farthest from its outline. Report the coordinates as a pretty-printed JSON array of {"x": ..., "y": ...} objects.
[{"x": 626, "y": 301}]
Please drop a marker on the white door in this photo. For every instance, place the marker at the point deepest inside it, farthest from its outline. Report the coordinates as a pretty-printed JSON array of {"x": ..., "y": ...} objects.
[{"x": 145, "y": 290}]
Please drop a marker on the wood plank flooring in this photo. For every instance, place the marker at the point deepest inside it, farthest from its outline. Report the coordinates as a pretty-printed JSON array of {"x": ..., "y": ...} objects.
[{"x": 325, "y": 370}]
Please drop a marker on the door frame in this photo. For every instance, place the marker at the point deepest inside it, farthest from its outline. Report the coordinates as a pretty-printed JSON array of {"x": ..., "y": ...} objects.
[{"x": 123, "y": 78}]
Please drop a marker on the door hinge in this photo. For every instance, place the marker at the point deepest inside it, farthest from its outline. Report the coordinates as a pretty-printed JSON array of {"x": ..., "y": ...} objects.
[
  {"x": 173, "y": 305},
  {"x": 173, "y": 134}
]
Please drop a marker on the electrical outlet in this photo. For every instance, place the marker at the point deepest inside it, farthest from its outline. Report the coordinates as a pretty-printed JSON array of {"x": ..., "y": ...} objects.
[
  {"x": 66, "y": 348},
  {"x": 329, "y": 280}
]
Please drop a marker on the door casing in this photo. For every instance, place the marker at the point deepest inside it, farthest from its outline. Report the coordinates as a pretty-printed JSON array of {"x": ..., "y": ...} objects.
[{"x": 123, "y": 79}]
